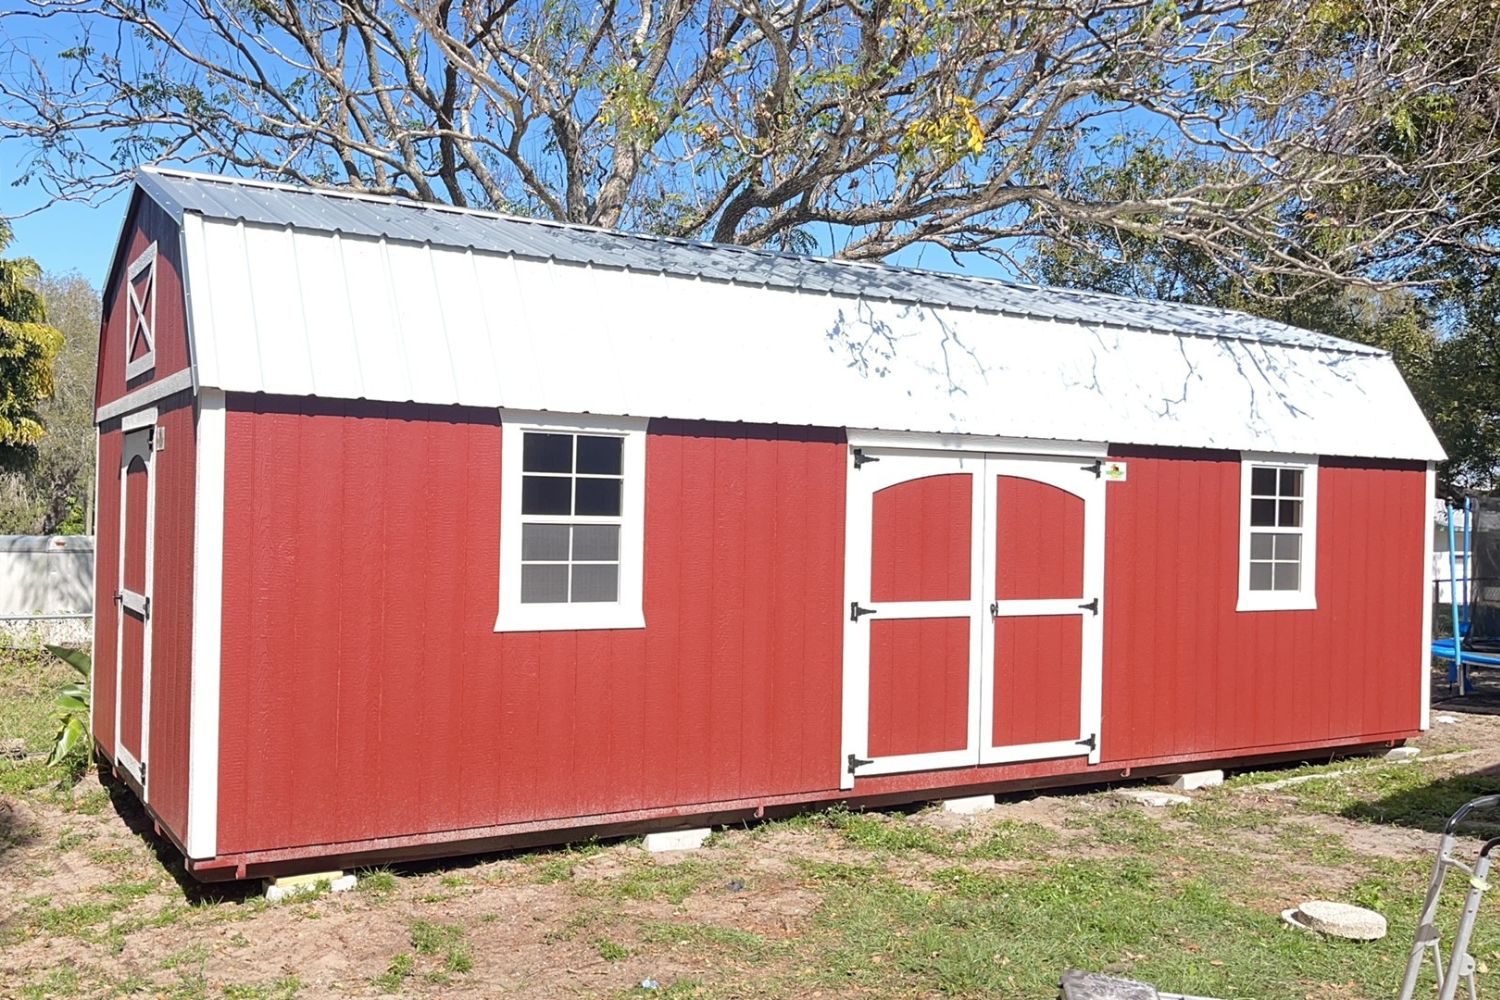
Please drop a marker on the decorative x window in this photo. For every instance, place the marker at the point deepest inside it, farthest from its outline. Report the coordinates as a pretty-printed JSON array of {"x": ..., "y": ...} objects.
[{"x": 140, "y": 315}]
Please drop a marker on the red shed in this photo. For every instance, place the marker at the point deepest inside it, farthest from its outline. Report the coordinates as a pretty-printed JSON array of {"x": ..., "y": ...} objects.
[{"x": 425, "y": 531}]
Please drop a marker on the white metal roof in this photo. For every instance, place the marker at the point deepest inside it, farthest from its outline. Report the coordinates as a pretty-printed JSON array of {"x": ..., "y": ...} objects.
[{"x": 303, "y": 292}]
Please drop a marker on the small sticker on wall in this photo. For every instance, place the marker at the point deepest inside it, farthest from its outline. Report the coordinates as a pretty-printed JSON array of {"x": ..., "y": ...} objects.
[{"x": 1114, "y": 472}]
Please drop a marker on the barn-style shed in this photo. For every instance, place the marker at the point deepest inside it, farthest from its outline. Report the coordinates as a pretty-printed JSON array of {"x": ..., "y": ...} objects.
[{"x": 424, "y": 531}]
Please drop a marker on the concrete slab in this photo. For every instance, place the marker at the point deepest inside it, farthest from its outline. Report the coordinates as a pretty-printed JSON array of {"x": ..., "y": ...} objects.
[
  {"x": 288, "y": 886},
  {"x": 969, "y": 805},
  {"x": 1154, "y": 797},
  {"x": 1337, "y": 920},
  {"x": 677, "y": 840},
  {"x": 1192, "y": 780}
]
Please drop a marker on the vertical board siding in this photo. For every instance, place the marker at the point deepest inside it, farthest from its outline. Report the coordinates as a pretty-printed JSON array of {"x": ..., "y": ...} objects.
[
  {"x": 1038, "y": 679},
  {"x": 365, "y": 693},
  {"x": 919, "y": 685},
  {"x": 145, "y": 222},
  {"x": 176, "y": 471},
  {"x": 1184, "y": 672},
  {"x": 921, "y": 533},
  {"x": 1038, "y": 540}
]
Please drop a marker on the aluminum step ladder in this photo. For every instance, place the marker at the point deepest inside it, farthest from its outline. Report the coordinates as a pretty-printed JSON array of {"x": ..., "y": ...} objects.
[{"x": 1426, "y": 941}]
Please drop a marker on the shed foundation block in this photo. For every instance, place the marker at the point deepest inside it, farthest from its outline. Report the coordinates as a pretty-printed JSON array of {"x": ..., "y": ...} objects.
[
  {"x": 677, "y": 840},
  {"x": 278, "y": 889},
  {"x": 1190, "y": 780},
  {"x": 969, "y": 805}
]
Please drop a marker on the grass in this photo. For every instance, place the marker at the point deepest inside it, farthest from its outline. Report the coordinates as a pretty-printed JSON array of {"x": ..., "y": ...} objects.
[{"x": 838, "y": 902}]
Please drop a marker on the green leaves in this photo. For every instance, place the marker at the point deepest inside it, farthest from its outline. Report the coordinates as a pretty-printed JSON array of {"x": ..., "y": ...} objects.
[{"x": 72, "y": 704}]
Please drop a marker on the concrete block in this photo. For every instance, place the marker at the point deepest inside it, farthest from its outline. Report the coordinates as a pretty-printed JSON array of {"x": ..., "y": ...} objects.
[
  {"x": 288, "y": 886},
  {"x": 677, "y": 840},
  {"x": 1152, "y": 797},
  {"x": 969, "y": 805},
  {"x": 1402, "y": 753},
  {"x": 1191, "y": 780}
]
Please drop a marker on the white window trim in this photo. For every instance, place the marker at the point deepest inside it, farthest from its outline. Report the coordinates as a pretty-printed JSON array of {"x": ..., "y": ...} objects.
[
  {"x": 628, "y": 611},
  {"x": 140, "y": 313},
  {"x": 1306, "y": 597}
]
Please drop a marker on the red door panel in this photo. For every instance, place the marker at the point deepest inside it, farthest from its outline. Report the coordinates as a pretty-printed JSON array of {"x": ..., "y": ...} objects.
[
  {"x": 1038, "y": 681},
  {"x": 132, "y": 681},
  {"x": 919, "y": 685},
  {"x": 132, "y": 613},
  {"x": 1039, "y": 541},
  {"x": 921, "y": 540},
  {"x": 136, "y": 497}
]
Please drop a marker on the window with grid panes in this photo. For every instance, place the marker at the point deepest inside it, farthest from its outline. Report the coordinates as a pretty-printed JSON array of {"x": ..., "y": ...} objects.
[
  {"x": 572, "y": 510},
  {"x": 1277, "y": 540}
]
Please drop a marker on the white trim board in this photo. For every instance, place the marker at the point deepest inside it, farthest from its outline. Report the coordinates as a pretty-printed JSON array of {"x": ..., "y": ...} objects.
[
  {"x": 145, "y": 395},
  {"x": 1424, "y": 660},
  {"x": 208, "y": 607}
]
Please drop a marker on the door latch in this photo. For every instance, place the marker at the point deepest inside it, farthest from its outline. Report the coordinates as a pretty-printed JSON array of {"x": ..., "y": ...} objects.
[
  {"x": 1091, "y": 606},
  {"x": 856, "y": 762},
  {"x": 855, "y": 611}
]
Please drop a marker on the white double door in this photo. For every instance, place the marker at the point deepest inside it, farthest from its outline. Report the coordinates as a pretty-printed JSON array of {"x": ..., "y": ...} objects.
[{"x": 975, "y": 610}]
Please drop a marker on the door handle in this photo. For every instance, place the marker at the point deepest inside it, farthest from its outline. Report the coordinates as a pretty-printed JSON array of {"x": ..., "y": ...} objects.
[{"x": 855, "y": 611}]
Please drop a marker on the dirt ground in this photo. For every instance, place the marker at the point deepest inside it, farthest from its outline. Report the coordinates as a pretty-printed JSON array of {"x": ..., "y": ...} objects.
[{"x": 899, "y": 903}]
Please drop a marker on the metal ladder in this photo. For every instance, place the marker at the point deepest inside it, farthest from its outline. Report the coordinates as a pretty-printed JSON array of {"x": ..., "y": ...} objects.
[{"x": 1460, "y": 962}]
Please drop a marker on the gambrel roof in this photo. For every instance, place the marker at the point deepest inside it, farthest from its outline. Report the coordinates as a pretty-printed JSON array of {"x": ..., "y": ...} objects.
[{"x": 333, "y": 293}]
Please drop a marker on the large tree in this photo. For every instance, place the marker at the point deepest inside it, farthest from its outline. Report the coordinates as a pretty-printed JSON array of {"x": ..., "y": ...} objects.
[
  {"x": 854, "y": 126},
  {"x": 27, "y": 346},
  {"x": 52, "y": 490}
]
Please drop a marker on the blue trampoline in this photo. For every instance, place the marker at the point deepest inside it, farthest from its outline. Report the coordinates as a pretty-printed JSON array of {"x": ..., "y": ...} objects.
[{"x": 1474, "y": 596}]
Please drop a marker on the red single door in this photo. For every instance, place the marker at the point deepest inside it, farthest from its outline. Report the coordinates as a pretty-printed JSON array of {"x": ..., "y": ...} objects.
[
  {"x": 134, "y": 604},
  {"x": 1041, "y": 696}
]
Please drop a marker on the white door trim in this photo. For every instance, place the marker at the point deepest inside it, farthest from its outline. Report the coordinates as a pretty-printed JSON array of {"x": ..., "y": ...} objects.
[
  {"x": 1064, "y": 473},
  {"x": 137, "y": 444}
]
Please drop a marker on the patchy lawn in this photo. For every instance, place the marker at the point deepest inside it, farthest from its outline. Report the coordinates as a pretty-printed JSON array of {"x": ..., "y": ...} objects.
[{"x": 832, "y": 904}]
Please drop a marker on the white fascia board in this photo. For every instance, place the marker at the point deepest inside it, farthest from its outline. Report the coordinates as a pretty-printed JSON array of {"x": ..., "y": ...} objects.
[
  {"x": 1424, "y": 659},
  {"x": 927, "y": 441},
  {"x": 208, "y": 609}
]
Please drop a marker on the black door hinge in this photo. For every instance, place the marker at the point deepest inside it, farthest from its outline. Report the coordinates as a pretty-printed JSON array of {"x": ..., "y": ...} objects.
[
  {"x": 855, "y": 611},
  {"x": 143, "y": 774},
  {"x": 1092, "y": 606},
  {"x": 146, "y": 607},
  {"x": 860, "y": 458},
  {"x": 856, "y": 762},
  {"x": 1097, "y": 468},
  {"x": 1092, "y": 742}
]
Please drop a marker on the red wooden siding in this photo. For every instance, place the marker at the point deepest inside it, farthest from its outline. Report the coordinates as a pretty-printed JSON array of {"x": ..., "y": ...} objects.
[
  {"x": 1184, "y": 673},
  {"x": 919, "y": 685},
  {"x": 920, "y": 548},
  {"x": 365, "y": 693},
  {"x": 1038, "y": 540},
  {"x": 1037, "y": 678},
  {"x": 176, "y": 470},
  {"x": 146, "y": 222},
  {"x": 132, "y": 683}
]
